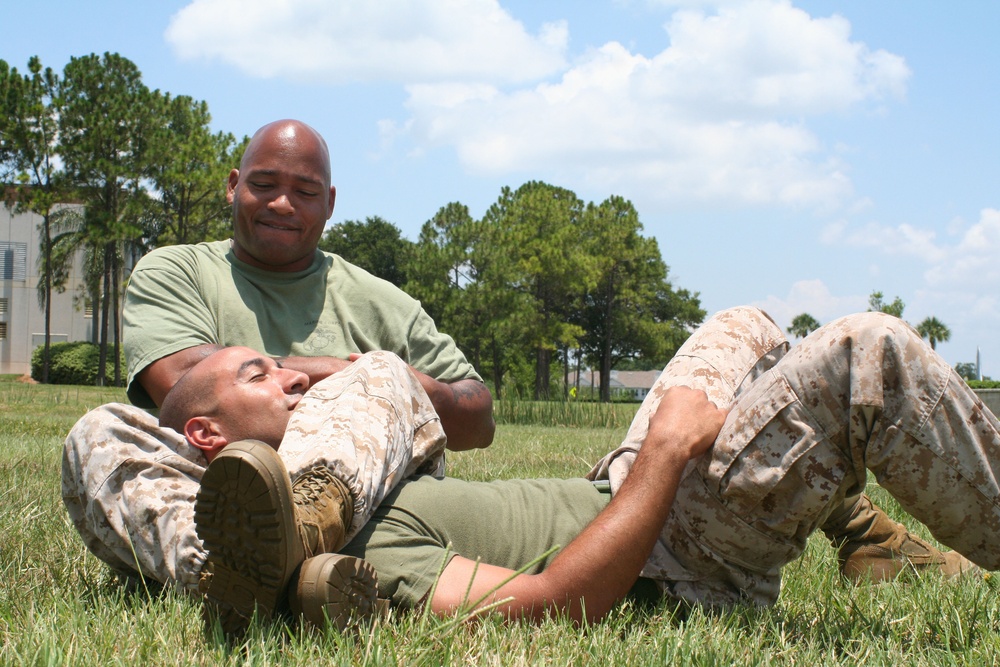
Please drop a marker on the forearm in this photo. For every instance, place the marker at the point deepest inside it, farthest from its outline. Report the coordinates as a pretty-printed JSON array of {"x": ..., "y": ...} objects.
[
  {"x": 466, "y": 411},
  {"x": 317, "y": 368},
  {"x": 597, "y": 569}
]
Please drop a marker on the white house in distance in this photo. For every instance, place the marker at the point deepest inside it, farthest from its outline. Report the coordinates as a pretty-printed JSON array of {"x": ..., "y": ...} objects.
[
  {"x": 634, "y": 384},
  {"x": 22, "y": 320}
]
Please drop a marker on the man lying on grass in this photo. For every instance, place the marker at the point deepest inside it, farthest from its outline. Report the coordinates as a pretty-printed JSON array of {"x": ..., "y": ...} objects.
[{"x": 707, "y": 502}]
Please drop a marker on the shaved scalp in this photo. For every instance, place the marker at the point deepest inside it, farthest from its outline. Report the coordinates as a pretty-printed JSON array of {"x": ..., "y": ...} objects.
[
  {"x": 289, "y": 130},
  {"x": 192, "y": 396}
]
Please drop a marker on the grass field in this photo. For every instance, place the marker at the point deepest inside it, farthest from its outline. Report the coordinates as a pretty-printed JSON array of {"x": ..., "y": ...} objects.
[{"x": 60, "y": 606}]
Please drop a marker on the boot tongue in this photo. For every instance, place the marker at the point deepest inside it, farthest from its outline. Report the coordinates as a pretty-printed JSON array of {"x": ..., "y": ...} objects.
[{"x": 323, "y": 510}]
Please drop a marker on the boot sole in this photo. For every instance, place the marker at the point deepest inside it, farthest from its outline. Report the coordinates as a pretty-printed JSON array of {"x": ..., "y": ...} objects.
[
  {"x": 245, "y": 516},
  {"x": 335, "y": 589}
]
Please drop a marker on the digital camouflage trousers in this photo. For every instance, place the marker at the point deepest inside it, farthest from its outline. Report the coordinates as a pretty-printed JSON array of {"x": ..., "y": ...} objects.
[{"x": 805, "y": 423}]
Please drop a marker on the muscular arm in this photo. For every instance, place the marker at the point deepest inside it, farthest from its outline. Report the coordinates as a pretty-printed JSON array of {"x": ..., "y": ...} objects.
[
  {"x": 466, "y": 411},
  {"x": 599, "y": 567}
]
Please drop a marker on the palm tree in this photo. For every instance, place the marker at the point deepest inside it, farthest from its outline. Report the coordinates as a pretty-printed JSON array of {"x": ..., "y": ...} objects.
[
  {"x": 934, "y": 330},
  {"x": 803, "y": 325}
]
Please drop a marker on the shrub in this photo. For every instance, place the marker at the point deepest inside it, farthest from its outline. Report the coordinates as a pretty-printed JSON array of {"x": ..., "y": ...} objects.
[
  {"x": 984, "y": 384},
  {"x": 70, "y": 363}
]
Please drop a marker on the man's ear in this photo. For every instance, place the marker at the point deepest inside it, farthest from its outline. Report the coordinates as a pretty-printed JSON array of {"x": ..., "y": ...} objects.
[
  {"x": 231, "y": 182},
  {"x": 332, "y": 201},
  {"x": 203, "y": 433}
]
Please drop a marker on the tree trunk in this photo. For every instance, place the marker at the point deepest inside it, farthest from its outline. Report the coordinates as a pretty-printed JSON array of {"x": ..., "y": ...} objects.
[
  {"x": 566, "y": 373},
  {"x": 102, "y": 359},
  {"x": 542, "y": 364},
  {"x": 606, "y": 346},
  {"x": 116, "y": 274}
]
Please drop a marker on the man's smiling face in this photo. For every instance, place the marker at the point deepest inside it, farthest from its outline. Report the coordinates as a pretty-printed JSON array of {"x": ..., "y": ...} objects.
[{"x": 281, "y": 197}]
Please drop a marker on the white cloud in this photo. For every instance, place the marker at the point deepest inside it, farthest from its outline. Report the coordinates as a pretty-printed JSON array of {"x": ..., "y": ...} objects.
[
  {"x": 904, "y": 239},
  {"x": 767, "y": 55},
  {"x": 965, "y": 259},
  {"x": 718, "y": 115},
  {"x": 971, "y": 262},
  {"x": 404, "y": 41},
  {"x": 812, "y": 297}
]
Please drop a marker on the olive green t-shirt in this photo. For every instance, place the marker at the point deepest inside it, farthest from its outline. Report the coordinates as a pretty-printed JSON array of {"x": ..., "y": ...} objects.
[
  {"x": 504, "y": 523},
  {"x": 188, "y": 295}
]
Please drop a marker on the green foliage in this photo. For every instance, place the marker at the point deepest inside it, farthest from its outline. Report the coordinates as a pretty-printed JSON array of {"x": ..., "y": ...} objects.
[
  {"x": 29, "y": 113},
  {"x": 376, "y": 245},
  {"x": 629, "y": 309},
  {"x": 543, "y": 277},
  {"x": 803, "y": 325},
  {"x": 188, "y": 166},
  {"x": 934, "y": 330},
  {"x": 966, "y": 370},
  {"x": 106, "y": 130},
  {"x": 877, "y": 304},
  {"x": 539, "y": 227},
  {"x": 70, "y": 363}
]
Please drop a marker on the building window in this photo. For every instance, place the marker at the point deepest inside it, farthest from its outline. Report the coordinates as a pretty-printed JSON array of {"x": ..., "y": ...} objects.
[
  {"x": 13, "y": 260},
  {"x": 3, "y": 305},
  {"x": 88, "y": 311},
  {"x": 3, "y": 331}
]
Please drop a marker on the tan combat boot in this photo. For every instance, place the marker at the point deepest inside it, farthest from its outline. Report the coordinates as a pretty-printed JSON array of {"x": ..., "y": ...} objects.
[
  {"x": 245, "y": 517},
  {"x": 335, "y": 589},
  {"x": 323, "y": 510},
  {"x": 329, "y": 587},
  {"x": 875, "y": 548}
]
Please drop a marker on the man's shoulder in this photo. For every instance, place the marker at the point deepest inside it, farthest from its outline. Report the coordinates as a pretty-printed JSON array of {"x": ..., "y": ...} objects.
[
  {"x": 184, "y": 253},
  {"x": 349, "y": 275}
]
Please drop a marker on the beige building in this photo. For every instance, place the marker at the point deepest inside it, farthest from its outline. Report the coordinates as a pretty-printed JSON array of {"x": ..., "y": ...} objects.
[{"x": 22, "y": 320}]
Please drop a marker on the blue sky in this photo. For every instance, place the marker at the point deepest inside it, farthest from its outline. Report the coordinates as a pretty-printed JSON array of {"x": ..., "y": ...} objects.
[{"x": 797, "y": 156}]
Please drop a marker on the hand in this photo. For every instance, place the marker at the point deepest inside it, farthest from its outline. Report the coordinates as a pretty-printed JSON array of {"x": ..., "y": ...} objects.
[{"x": 685, "y": 420}]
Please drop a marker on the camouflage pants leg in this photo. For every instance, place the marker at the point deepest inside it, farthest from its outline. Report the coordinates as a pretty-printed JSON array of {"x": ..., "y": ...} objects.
[
  {"x": 129, "y": 485},
  {"x": 371, "y": 425},
  {"x": 861, "y": 392},
  {"x": 722, "y": 358}
]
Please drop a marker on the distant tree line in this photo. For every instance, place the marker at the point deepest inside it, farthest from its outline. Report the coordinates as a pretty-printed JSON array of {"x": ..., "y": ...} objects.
[
  {"x": 540, "y": 286},
  {"x": 543, "y": 283}
]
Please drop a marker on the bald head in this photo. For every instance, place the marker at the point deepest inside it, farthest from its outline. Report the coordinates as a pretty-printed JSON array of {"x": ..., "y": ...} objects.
[
  {"x": 192, "y": 396},
  {"x": 289, "y": 133},
  {"x": 233, "y": 394}
]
